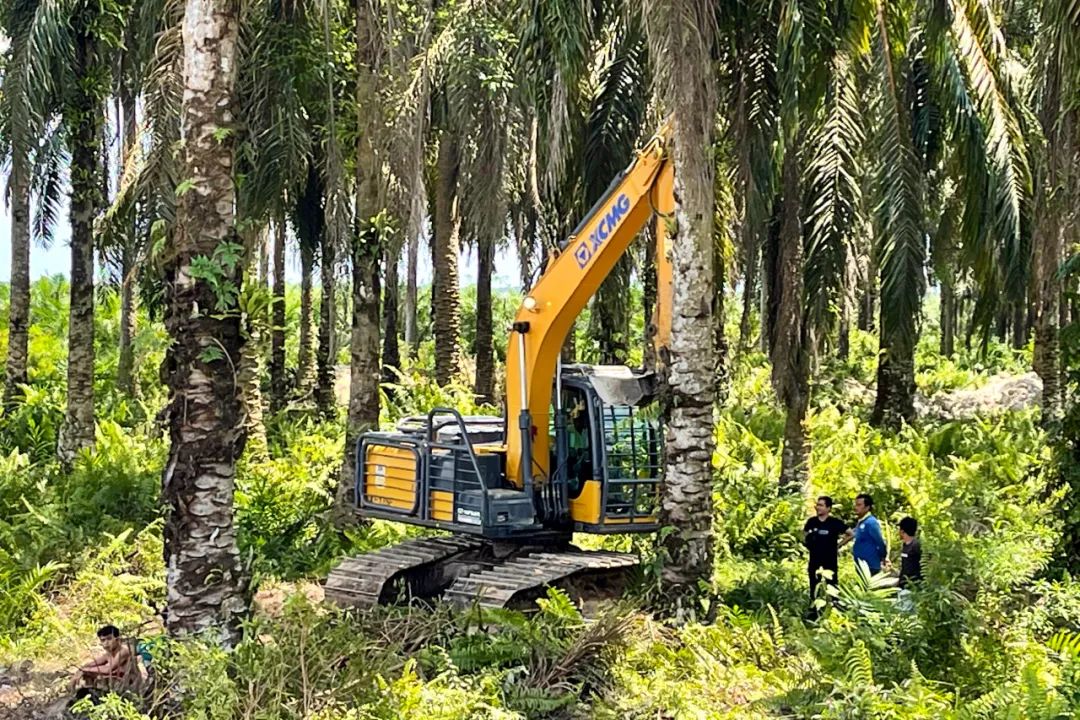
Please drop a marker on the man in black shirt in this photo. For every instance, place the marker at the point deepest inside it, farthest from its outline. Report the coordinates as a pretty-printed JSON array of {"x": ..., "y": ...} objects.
[
  {"x": 911, "y": 554},
  {"x": 821, "y": 535}
]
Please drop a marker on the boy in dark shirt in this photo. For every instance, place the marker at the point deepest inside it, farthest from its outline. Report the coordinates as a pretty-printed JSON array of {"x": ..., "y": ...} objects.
[
  {"x": 821, "y": 535},
  {"x": 911, "y": 554}
]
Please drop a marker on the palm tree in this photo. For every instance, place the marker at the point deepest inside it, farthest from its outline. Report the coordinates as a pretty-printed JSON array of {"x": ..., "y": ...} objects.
[
  {"x": 682, "y": 39},
  {"x": 368, "y": 249},
  {"x": 305, "y": 367},
  {"x": 1057, "y": 55},
  {"x": 484, "y": 386},
  {"x": 24, "y": 114},
  {"x": 60, "y": 63},
  {"x": 277, "y": 334},
  {"x": 19, "y": 310},
  {"x": 445, "y": 295},
  {"x": 83, "y": 113},
  {"x": 205, "y": 584}
]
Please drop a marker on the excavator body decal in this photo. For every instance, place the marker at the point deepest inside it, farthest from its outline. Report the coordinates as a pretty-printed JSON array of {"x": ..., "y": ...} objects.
[{"x": 607, "y": 225}]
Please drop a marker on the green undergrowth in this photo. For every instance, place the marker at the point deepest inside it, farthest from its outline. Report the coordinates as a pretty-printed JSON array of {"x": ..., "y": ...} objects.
[{"x": 992, "y": 631}]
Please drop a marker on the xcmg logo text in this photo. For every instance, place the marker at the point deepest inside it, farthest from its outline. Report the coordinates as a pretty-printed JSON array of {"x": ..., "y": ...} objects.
[{"x": 608, "y": 224}]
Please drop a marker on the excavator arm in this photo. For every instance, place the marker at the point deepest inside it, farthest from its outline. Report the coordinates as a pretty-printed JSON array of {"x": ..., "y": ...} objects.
[{"x": 642, "y": 192}]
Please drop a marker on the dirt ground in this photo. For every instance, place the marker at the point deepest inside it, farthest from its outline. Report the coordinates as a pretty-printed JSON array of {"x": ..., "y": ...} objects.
[{"x": 32, "y": 693}]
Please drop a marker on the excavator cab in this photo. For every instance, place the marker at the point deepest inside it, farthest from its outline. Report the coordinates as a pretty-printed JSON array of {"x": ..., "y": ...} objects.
[{"x": 448, "y": 471}]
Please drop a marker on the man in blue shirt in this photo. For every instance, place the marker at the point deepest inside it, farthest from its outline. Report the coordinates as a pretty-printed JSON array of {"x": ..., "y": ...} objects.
[{"x": 869, "y": 543}]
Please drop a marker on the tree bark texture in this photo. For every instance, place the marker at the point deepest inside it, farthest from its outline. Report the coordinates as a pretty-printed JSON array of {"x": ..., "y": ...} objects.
[
  {"x": 1047, "y": 355},
  {"x": 749, "y": 297},
  {"x": 278, "y": 388},
  {"x": 391, "y": 353},
  {"x": 249, "y": 371},
  {"x": 445, "y": 294},
  {"x": 205, "y": 586},
  {"x": 682, "y": 32},
  {"x": 412, "y": 331},
  {"x": 611, "y": 314},
  {"x": 325, "y": 359},
  {"x": 895, "y": 401},
  {"x": 790, "y": 354},
  {"x": 948, "y": 320},
  {"x": 484, "y": 351},
  {"x": 305, "y": 367},
  {"x": 84, "y": 118},
  {"x": 648, "y": 297},
  {"x": 367, "y": 251},
  {"x": 125, "y": 369},
  {"x": 310, "y": 230},
  {"x": 19, "y": 309}
]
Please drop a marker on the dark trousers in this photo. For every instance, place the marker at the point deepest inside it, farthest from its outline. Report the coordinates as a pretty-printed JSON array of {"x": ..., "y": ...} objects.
[{"x": 816, "y": 579}]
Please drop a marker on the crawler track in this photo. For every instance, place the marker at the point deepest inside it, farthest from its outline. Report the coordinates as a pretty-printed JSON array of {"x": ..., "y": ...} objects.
[
  {"x": 517, "y": 583},
  {"x": 468, "y": 572},
  {"x": 416, "y": 568}
]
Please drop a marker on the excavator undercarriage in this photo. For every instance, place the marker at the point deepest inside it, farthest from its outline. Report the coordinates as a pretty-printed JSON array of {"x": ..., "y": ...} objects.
[{"x": 468, "y": 571}]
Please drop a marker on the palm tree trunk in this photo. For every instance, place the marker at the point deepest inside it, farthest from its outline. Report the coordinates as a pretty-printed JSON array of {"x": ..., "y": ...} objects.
[
  {"x": 444, "y": 291},
  {"x": 249, "y": 371},
  {"x": 485, "y": 354},
  {"x": 868, "y": 303},
  {"x": 412, "y": 331},
  {"x": 1019, "y": 325},
  {"x": 77, "y": 432},
  {"x": 682, "y": 32},
  {"x": 948, "y": 320},
  {"x": 611, "y": 315},
  {"x": 324, "y": 355},
  {"x": 648, "y": 298},
  {"x": 721, "y": 378},
  {"x": 305, "y": 369},
  {"x": 125, "y": 378},
  {"x": 277, "y": 334},
  {"x": 367, "y": 251},
  {"x": 749, "y": 297},
  {"x": 391, "y": 353},
  {"x": 1047, "y": 356},
  {"x": 19, "y": 308},
  {"x": 205, "y": 585},
  {"x": 843, "y": 343},
  {"x": 790, "y": 356}
]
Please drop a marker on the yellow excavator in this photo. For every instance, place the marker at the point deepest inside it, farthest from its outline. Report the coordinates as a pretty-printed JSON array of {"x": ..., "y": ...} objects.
[{"x": 579, "y": 449}]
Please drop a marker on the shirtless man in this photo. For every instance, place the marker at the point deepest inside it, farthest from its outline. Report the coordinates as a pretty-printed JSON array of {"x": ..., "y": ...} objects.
[{"x": 105, "y": 668}]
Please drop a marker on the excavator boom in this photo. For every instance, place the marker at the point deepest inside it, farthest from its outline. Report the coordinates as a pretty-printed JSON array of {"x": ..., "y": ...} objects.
[{"x": 643, "y": 191}]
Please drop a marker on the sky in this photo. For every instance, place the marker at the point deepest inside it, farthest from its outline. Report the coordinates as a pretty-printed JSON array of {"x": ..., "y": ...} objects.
[{"x": 56, "y": 259}]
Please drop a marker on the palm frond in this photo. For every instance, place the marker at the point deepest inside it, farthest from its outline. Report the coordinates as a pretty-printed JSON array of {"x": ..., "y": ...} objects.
[
  {"x": 39, "y": 67},
  {"x": 901, "y": 223},
  {"x": 48, "y": 184},
  {"x": 833, "y": 194},
  {"x": 979, "y": 46}
]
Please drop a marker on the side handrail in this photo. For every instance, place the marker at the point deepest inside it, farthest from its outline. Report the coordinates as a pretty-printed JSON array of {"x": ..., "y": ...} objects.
[{"x": 464, "y": 434}]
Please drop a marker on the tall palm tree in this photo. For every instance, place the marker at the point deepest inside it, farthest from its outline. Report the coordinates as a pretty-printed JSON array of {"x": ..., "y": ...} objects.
[
  {"x": 484, "y": 386},
  {"x": 1057, "y": 56},
  {"x": 84, "y": 94},
  {"x": 682, "y": 39},
  {"x": 205, "y": 583},
  {"x": 445, "y": 294},
  {"x": 60, "y": 67},
  {"x": 305, "y": 365},
  {"x": 24, "y": 115},
  {"x": 277, "y": 334},
  {"x": 371, "y": 244},
  {"x": 18, "y": 191}
]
